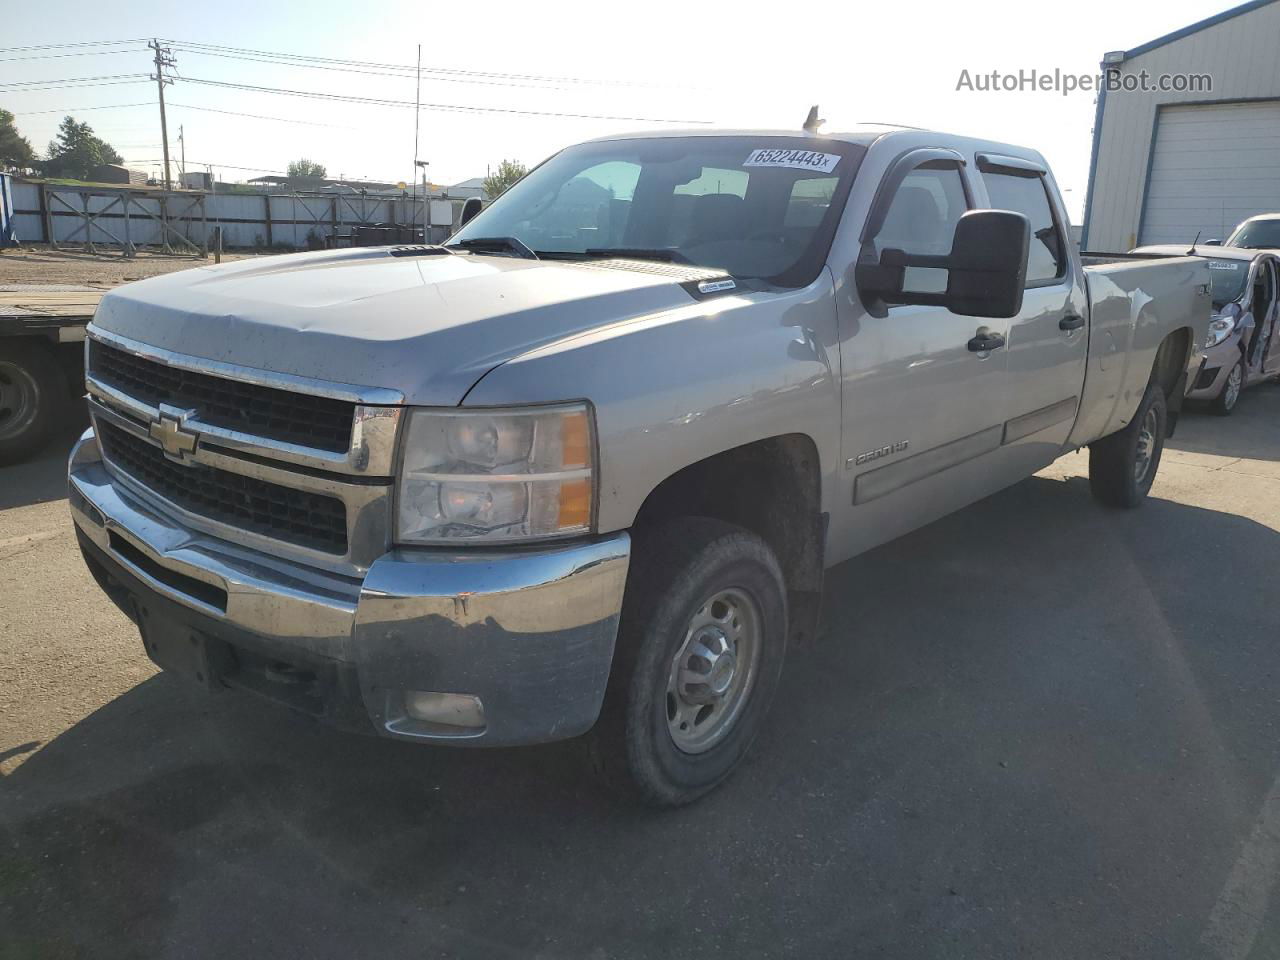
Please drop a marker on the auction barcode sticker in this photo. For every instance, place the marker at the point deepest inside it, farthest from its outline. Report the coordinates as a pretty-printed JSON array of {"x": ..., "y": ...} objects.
[{"x": 798, "y": 159}]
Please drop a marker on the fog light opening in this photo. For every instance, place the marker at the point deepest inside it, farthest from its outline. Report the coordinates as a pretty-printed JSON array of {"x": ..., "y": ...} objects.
[{"x": 449, "y": 709}]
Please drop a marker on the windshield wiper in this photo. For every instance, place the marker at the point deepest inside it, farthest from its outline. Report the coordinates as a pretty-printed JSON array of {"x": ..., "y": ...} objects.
[
  {"x": 496, "y": 244},
  {"x": 665, "y": 254}
]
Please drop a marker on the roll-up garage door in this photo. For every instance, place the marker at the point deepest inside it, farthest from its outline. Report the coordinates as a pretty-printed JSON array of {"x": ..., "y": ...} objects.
[{"x": 1212, "y": 166}]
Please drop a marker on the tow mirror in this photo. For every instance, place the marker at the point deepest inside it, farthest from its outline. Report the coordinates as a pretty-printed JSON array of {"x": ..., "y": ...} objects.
[
  {"x": 986, "y": 269},
  {"x": 470, "y": 207}
]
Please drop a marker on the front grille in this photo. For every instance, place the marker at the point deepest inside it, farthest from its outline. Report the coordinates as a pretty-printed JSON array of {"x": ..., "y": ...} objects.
[
  {"x": 306, "y": 519},
  {"x": 310, "y": 421}
]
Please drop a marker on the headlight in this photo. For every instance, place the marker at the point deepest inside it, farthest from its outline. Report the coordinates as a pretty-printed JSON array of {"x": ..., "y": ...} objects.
[
  {"x": 496, "y": 475},
  {"x": 1219, "y": 329}
]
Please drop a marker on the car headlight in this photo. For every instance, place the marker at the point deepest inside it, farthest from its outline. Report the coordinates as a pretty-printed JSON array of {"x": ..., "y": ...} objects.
[
  {"x": 1219, "y": 329},
  {"x": 496, "y": 475}
]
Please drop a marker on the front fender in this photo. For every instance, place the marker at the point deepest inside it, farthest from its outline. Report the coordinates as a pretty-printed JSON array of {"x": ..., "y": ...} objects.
[{"x": 677, "y": 387}]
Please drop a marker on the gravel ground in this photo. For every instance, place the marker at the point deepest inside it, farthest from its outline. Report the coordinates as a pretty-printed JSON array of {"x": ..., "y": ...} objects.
[
  {"x": 1035, "y": 729},
  {"x": 44, "y": 266}
]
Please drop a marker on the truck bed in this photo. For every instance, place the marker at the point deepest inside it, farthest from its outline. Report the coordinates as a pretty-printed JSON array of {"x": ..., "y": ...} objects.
[
  {"x": 1135, "y": 301},
  {"x": 58, "y": 312}
]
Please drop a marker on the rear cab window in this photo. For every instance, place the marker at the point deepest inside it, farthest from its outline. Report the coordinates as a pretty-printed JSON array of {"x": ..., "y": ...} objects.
[{"x": 1025, "y": 192}]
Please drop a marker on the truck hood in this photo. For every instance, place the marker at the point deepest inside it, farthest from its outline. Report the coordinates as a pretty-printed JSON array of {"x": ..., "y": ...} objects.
[{"x": 426, "y": 326}]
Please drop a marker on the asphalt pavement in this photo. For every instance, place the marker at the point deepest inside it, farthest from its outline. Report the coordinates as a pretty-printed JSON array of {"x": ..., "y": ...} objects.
[{"x": 1038, "y": 728}]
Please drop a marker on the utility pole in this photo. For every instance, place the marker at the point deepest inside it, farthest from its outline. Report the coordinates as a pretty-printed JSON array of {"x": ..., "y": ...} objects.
[
  {"x": 182, "y": 162},
  {"x": 164, "y": 58},
  {"x": 426, "y": 200},
  {"x": 417, "y": 114}
]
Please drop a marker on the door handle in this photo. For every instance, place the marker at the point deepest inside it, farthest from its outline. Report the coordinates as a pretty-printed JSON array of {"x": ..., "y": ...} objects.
[
  {"x": 986, "y": 341},
  {"x": 1071, "y": 321}
]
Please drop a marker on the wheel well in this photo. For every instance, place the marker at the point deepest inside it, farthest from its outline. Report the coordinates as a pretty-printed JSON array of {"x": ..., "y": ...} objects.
[
  {"x": 1171, "y": 360},
  {"x": 1170, "y": 371},
  {"x": 772, "y": 488}
]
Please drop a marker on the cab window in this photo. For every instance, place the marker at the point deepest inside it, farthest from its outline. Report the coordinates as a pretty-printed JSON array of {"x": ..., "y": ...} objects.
[{"x": 1026, "y": 193}]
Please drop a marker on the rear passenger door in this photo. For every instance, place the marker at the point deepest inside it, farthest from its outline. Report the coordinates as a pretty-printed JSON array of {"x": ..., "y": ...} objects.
[{"x": 1048, "y": 339}]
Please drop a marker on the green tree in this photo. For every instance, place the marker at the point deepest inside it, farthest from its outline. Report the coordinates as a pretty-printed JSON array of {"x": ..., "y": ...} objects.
[
  {"x": 509, "y": 171},
  {"x": 306, "y": 168},
  {"x": 77, "y": 151},
  {"x": 15, "y": 149}
]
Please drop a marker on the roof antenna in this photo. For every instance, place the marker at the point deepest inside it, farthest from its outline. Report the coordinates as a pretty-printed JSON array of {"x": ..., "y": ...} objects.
[
  {"x": 813, "y": 121},
  {"x": 1192, "y": 251}
]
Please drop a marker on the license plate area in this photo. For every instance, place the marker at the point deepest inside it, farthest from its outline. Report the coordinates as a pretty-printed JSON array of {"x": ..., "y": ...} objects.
[{"x": 177, "y": 649}]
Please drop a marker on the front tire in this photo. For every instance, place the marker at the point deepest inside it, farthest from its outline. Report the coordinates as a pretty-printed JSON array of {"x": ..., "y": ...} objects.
[
  {"x": 1123, "y": 466},
  {"x": 700, "y": 649},
  {"x": 32, "y": 392},
  {"x": 1225, "y": 402}
]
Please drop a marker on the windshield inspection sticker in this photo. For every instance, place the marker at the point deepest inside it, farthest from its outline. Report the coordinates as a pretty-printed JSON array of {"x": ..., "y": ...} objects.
[{"x": 797, "y": 159}]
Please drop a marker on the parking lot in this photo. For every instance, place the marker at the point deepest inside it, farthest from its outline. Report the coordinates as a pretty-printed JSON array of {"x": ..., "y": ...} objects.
[{"x": 1036, "y": 728}]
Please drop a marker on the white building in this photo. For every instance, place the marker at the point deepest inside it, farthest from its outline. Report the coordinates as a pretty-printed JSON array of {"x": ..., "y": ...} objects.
[{"x": 1168, "y": 164}]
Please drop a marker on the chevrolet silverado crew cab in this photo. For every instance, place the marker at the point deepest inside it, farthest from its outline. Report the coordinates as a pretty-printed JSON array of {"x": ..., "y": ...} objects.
[{"x": 580, "y": 469}]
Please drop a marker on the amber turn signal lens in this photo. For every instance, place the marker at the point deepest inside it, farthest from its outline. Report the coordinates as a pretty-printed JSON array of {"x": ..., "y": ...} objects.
[
  {"x": 575, "y": 504},
  {"x": 575, "y": 440}
]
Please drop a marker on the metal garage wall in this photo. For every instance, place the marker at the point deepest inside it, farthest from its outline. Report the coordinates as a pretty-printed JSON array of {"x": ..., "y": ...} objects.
[
  {"x": 1240, "y": 54},
  {"x": 1212, "y": 166}
]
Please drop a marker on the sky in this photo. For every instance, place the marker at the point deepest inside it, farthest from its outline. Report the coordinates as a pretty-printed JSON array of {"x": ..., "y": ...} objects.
[{"x": 730, "y": 64}]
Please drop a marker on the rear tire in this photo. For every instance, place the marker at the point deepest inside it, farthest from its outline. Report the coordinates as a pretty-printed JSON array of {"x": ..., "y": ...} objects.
[
  {"x": 1123, "y": 466},
  {"x": 32, "y": 393},
  {"x": 1227, "y": 399},
  {"x": 700, "y": 649}
]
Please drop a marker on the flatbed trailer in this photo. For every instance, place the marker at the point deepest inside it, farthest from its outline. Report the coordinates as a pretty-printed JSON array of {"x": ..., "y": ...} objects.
[{"x": 42, "y": 332}]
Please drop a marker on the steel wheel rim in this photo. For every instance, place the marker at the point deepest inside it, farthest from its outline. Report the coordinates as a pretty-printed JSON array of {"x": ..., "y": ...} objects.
[
  {"x": 1146, "y": 445},
  {"x": 713, "y": 671},
  {"x": 19, "y": 397},
  {"x": 1231, "y": 393}
]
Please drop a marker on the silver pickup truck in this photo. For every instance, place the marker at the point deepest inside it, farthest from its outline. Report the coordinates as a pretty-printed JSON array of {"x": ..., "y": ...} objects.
[{"x": 582, "y": 467}]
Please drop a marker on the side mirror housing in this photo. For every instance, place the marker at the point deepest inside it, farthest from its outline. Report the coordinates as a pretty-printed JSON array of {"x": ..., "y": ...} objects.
[
  {"x": 1212, "y": 243},
  {"x": 986, "y": 269},
  {"x": 470, "y": 207}
]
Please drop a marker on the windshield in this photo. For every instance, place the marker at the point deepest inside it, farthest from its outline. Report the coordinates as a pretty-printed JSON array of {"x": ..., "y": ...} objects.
[
  {"x": 1229, "y": 278},
  {"x": 1256, "y": 235},
  {"x": 755, "y": 207}
]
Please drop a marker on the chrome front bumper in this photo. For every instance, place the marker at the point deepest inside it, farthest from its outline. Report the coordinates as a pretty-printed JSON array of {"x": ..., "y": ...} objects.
[{"x": 530, "y": 632}]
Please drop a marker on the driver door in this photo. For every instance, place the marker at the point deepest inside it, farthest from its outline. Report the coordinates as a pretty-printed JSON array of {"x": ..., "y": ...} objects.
[
  {"x": 1263, "y": 356},
  {"x": 921, "y": 408}
]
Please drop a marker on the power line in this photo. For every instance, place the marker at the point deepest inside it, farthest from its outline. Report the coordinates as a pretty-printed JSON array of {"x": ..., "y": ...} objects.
[
  {"x": 229, "y": 166},
  {"x": 72, "y": 80},
  {"x": 373, "y": 73},
  {"x": 258, "y": 116},
  {"x": 453, "y": 107},
  {"x": 64, "y": 46},
  {"x": 57, "y": 56},
  {"x": 191, "y": 46},
  {"x": 107, "y": 106},
  {"x": 74, "y": 86}
]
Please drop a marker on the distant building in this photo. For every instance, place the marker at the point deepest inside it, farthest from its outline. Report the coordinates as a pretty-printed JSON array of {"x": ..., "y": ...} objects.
[
  {"x": 374, "y": 188},
  {"x": 1186, "y": 139},
  {"x": 322, "y": 185},
  {"x": 115, "y": 173},
  {"x": 197, "y": 180},
  {"x": 468, "y": 188}
]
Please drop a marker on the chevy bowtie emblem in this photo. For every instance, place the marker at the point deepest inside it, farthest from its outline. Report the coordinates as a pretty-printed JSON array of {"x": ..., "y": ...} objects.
[{"x": 174, "y": 438}]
